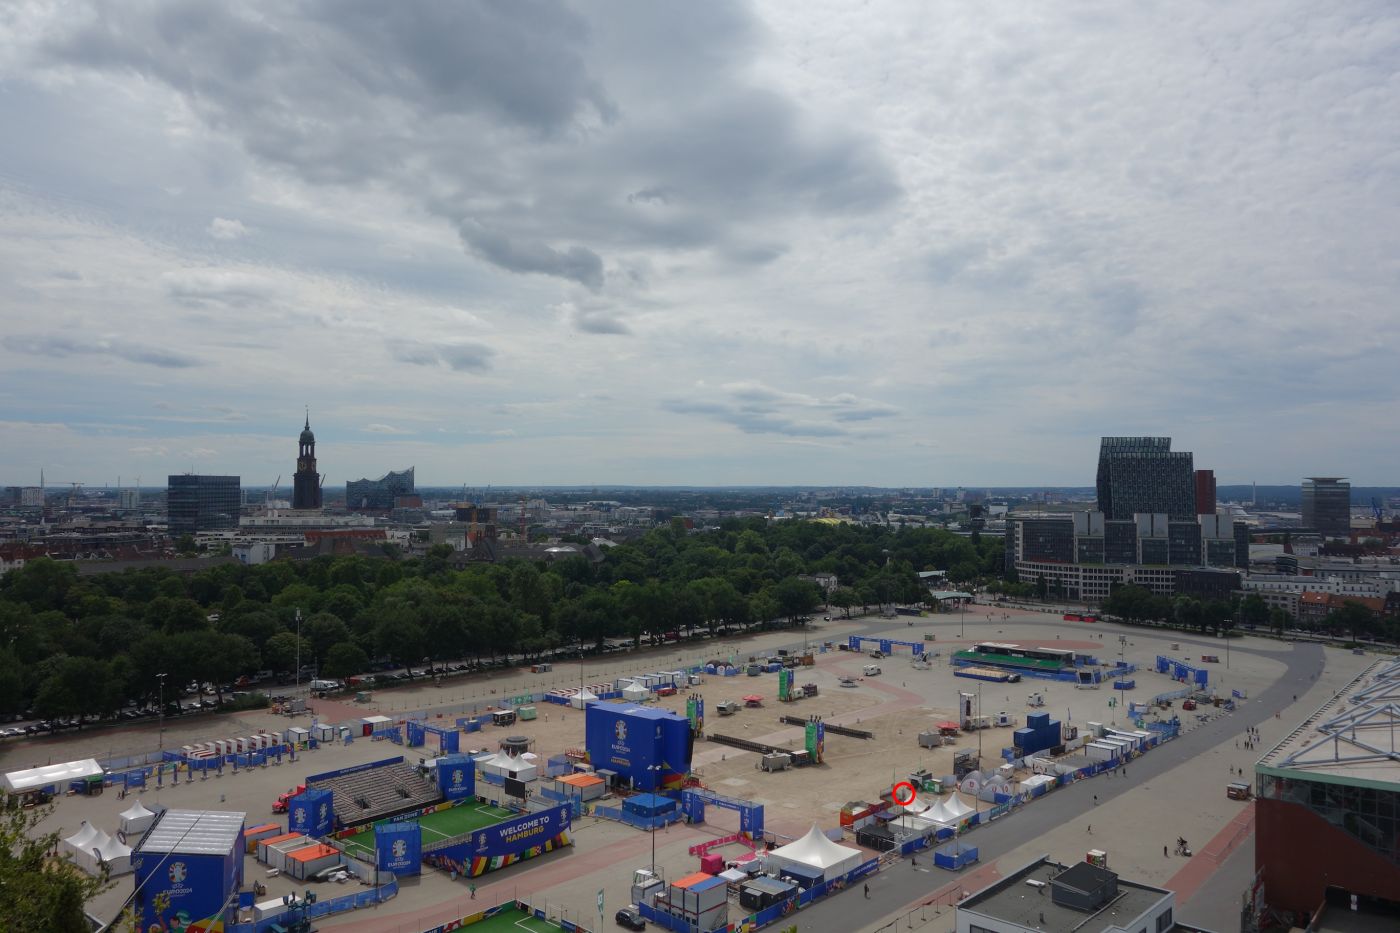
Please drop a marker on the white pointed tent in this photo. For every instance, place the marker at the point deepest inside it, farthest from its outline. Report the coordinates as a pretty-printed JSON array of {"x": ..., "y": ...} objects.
[
  {"x": 583, "y": 698},
  {"x": 509, "y": 766},
  {"x": 814, "y": 850},
  {"x": 635, "y": 693},
  {"x": 956, "y": 808},
  {"x": 116, "y": 856},
  {"x": 136, "y": 819},
  {"x": 78, "y": 846}
]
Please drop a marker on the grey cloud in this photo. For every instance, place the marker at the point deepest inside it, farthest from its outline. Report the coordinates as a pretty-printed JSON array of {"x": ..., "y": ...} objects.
[
  {"x": 68, "y": 275},
  {"x": 600, "y": 322},
  {"x": 533, "y": 128},
  {"x": 461, "y": 357},
  {"x": 576, "y": 263},
  {"x": 755, "y": 408},
  {"x": 204, "y": 287},
  {"x": 467, "y": 356},
  {"x": 58, "y": 347}
]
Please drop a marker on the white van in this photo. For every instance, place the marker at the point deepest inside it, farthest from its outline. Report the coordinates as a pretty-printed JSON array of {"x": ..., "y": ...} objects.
[
  {"x": 327, "y": 685},
  {"x": 872, "y": 670}
]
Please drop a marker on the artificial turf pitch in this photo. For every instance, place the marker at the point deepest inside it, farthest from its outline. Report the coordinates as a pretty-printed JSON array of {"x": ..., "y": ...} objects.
[
  {"x": 514, "y": 921},
  {"x": 454, "y": 821}
]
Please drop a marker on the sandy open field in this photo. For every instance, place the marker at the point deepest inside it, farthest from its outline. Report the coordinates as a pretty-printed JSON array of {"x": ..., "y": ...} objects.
[{"x": 896, "y": 706}]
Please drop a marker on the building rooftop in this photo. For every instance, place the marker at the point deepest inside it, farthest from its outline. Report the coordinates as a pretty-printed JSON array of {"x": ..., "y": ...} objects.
[
  {"x": 1352, "y": 737},
  {"x": 194, "y": 832},
  {"x": 1015, "y": 899}
]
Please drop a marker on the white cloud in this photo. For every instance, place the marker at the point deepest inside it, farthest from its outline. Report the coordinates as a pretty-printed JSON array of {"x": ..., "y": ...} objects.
[{"x": 221, "y": 228}]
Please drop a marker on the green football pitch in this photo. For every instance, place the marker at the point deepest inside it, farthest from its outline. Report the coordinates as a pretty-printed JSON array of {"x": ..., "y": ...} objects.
[
  {"x": 454, "y": 821},
  {"x": 514, "y": 921}
]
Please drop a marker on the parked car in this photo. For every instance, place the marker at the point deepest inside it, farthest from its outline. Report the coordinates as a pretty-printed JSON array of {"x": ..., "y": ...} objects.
[{"x": 630, "y": 917}]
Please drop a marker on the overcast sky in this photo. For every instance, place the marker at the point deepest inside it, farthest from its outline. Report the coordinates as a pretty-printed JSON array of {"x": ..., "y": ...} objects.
[{"x": 922, "y": 243}]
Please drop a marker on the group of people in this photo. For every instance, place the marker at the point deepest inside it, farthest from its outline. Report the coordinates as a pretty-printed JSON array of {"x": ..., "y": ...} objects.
[{"x": 1251, "y": 738}]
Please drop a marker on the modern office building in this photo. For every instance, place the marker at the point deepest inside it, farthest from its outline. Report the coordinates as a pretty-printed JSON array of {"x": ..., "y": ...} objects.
[
  {"x": 306, "y": 482},
  {"x": 1144, "y": 475},
  {"x": 202, "y": 503},
  {"x": 1082, "y": 897},
  {"x": 379, "y": 495},
  {"x": 1327, "y": 505},
  {"x": 1082, "y": 554},
  {"x": 1205, "y": 492},
  {"x": 1328, "y": 808}
]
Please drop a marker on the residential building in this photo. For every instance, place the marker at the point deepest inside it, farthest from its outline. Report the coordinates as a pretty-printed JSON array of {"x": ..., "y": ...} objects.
[
  {"x": 1328, "y": 809},
  {"x": 306, "y": 482},
  {"x": 1327, "y": 505},
  {"x": 1082, "y": 897},
  {"x": 202, "y": 503},
  {"x": 1144, "y": 475},
  {"x": 379, "y": 495}
]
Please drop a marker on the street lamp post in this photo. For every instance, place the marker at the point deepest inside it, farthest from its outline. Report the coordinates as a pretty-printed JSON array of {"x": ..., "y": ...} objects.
[
  {"x": 297, "y": 691},
  {"x": 160, "y": 679}
]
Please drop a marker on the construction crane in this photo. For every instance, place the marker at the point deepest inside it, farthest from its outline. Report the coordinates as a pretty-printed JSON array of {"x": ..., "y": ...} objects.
[
  {"x": 72, "y": 493},
  {"x": 1376, "y": 510},
  {"x": 272, "y": 496}
]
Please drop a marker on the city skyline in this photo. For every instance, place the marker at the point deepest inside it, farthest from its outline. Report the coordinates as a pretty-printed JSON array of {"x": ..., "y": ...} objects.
[{"x": 718, "y": 244}]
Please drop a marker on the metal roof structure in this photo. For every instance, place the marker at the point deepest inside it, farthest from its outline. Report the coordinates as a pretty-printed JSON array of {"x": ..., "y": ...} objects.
[
  {"x": 1353, "y": 738},
  {"x": 194, "y": 832},
  {"x": 31, "y": 778}
]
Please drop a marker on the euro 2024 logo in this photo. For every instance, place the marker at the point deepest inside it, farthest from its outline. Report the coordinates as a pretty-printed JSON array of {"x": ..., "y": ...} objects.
[
  {"x": 399, "y": 848},
  {"x": 620, "y": 730},
  {"x": 321, "y": 813},
  {"x": 301, "y": 816},
  {"x": 457, "y": 778},
  {"x": 177, "y": 873}
]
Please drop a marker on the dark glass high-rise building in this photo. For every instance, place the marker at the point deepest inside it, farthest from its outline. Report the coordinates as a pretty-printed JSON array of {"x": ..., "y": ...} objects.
[
  {"x": 306, "y": 482},
  {"x": 1327, "y": 505},
  {"x": 202, "y": 503},
  {"x": 1144, "y": 474}
]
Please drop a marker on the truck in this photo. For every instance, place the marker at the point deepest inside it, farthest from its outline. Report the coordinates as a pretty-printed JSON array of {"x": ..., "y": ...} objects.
[{"x": 284, "y": 800}]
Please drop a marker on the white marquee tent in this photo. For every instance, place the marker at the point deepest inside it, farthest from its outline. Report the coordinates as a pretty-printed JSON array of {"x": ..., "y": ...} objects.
[
  {"x": 583, "y": 698},
  {"x": 635, "y": 693},
  {"x": 136, "y": 819},
  {"x": 816, "y": 851},
  {"x": 78, "y": 846},
  {"x": 509, "y": 766},
  {"x": 17, "y": 782},
  {"x": 116, "y": 856}
]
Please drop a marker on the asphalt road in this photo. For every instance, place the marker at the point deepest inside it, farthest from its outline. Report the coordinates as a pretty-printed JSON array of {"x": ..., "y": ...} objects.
[{"x": 898, "y": 888}]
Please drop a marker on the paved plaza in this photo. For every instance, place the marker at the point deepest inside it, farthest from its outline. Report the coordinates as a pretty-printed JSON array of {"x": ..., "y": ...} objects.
[{"x": 1175, "y": 790}]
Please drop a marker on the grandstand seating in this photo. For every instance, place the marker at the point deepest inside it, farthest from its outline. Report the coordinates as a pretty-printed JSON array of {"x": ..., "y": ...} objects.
[{"x": 371, "y": 795}]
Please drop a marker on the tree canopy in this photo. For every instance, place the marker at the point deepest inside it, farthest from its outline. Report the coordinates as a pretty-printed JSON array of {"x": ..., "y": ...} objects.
[{"x": 87, "y": 645}]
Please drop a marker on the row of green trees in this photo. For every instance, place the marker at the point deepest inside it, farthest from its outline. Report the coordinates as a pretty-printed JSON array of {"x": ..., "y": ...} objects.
[
  {"x": 1351, "y": 620},
  {"x": 72, "y": 645}
]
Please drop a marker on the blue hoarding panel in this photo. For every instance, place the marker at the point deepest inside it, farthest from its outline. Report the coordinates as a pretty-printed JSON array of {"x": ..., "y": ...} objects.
[
  {"x": 451, "y": 742},
  {"x": 456, "y": 775},
  {"x": 398, "y": 848},
  {"x": 513, "y": 837},
  {"x": 311, "y": 813}
]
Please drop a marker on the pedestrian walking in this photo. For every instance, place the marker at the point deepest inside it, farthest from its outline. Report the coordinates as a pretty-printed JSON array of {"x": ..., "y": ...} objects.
[
  {"x": 867, "y": 892},
  {"x": 1164, "y": 852},
  {"x": 1096, "y": 800},
  {"x": 1090, "y": 830},
  {"x": 472, "y": 887}
]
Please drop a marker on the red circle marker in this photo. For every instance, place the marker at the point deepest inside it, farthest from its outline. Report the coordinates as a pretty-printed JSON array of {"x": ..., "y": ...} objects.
[{"x": 913, "y": 792}]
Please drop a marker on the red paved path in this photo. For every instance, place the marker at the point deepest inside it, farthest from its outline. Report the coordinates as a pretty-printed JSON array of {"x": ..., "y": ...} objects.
[{"x": 1208, "y": 858}]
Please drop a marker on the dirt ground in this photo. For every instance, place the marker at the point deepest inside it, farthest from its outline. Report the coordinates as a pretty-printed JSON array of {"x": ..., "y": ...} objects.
[{"x": 896, "y": 706}]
